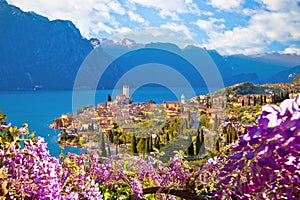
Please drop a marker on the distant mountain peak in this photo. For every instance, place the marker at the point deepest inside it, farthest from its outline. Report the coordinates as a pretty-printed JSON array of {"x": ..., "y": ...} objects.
[{"x": 125, "y": 42}]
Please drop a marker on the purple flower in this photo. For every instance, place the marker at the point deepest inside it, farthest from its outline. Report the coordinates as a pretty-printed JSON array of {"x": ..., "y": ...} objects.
[
  {"x": 290, "y": 168},
  {"x": 5, "y": 126},
  {"x": 281, "y": 152},
  {"x": 272, "y": 164},
  {"x": 270, "y": 116},
  {"x": 136, "y": 186},
  {"x": 236, "y": 156},
  {"x": 288, "y": 106},
  {"x": 250, "y": 155},
  {"x": 254, "y": 141},
  {"x": 240, "y": 146},
  {"x": 261, "y": 162},
  {"x": 297, "y": 99}
]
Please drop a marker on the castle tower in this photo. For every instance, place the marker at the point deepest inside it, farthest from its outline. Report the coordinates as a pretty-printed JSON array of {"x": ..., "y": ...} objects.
[
  {"x": 182, "y": 99},
  {"x": 126, "y": 91}
]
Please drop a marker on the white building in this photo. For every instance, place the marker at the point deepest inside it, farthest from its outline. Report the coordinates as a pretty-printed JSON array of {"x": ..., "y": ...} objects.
[
  {"x": 126, "y": 91},
  {"x": 182, "y": 99}
]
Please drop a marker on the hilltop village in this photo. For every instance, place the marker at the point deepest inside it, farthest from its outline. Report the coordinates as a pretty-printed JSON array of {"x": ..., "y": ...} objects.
[{"x": 119, "y": 120}]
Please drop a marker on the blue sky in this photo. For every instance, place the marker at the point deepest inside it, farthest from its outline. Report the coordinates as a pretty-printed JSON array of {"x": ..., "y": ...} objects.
[{"x": 229, "y": 26}]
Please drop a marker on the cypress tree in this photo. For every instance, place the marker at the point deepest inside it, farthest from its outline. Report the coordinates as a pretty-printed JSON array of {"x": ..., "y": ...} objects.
[
  {"x": 227, "y": 139},
  {"x": 281, "y": 96},
  {"x": 167, "y": 136},
  {"x": 198, "y": 142},
  {"x": 261, "y": 100},
  {"x": 111, "y": 136},
  {"x": 151, "y": 143},
  {"x": 157, "y": 142},
  {"x": 249, "y": 103},
  {"x": 191, "y": 147},
  {"x": 202, "y": 148},
  {"x": 216, "y": 125},
  {"x": 287, "y": 96},
  {"x": 117, "y": 149},
  {"x": 207, "y": 102},
  {"x": 218, "y": 145},
  {"x": 116, "y": 138},
  {"x": 235, "y": 135},
  {"x": 108, "y": 150},
  {"x": 103, "y": 149},
  {"x": 109, "y": 98},
  {"x": 133, "y": 144},
  {"x": 147, "y": 145},
  {"x": 142, "y": 146}
]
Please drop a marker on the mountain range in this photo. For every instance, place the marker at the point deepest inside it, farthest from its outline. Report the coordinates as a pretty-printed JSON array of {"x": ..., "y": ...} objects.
[{"x": 38, "y": 53}]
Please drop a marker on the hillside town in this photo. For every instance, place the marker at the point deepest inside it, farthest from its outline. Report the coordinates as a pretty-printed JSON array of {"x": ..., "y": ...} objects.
[{"x": 210, "y": 111}]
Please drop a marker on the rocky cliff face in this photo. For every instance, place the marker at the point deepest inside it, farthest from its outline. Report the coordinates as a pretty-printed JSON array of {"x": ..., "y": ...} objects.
[{"x": 36, "y": 52}]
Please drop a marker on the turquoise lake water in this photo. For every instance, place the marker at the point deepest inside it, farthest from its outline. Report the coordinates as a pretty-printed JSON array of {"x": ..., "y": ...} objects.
[{"x": 39, "y": 108}]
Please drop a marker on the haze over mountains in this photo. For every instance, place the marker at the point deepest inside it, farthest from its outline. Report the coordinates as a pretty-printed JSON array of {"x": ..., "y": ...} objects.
[{"x": 36, "y": 52}]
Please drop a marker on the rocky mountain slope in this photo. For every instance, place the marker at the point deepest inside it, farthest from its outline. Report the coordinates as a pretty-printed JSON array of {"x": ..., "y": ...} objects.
[{"x": 36, "y": 52}]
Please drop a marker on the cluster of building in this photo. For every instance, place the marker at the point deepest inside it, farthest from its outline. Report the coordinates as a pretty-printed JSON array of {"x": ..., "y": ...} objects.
[
  {"x": 119, "y": 111},
  {"x": 122, "y": 113}
]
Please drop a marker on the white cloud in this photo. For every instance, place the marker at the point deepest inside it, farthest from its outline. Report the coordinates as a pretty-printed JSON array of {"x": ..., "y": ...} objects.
[
  {"x": 277, "y": 5},
  {"x": 107, "y": 29},
  {"x": 225, "y": 4},
  {"x": 179, "y": 6},
  {"x": 263, "y": 28},
  {"x": 211, "y": 24},
  {"x": 277, "y": 26},
  {"x": 177, "y": 28},
  {"x": 292, "y": 50},
  {"x": 166, "y": 13},
  {"x": 90, "y": 16},
  {"x": 135, "y": 17},
  {"x": 238, "y": 40}
]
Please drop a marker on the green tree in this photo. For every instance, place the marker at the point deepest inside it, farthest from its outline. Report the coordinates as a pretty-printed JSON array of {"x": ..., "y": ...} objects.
[
  {"x": 287, "y": 95},
  {"x": 133, "y": 144},
  {"x": 109, "y": 99},
  {"x": 111, "y": 136},
  {"x": 142, "y": 145},
  {"x": 157, "y": 142},
  {"x": 150, "y": 143},
  {"x": 216, "y": 125},
  {"x": 218, "y": 145},
  {"x": 103, "y": 146},
  {"x": 232, "y": 133},
  {"x": 6, "y": 136},
  {"x": 167, "y": 136},
  {"x": 198, "y": 142},
  {"x": 190, "y": 150},
  {"x": 108, "y": 150},
  {"x": 249, "y": 98},
  {"x": 116, "y": 142},
  {"x": 202, "y": 148},
  {"x": 63, "y": 136}
]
